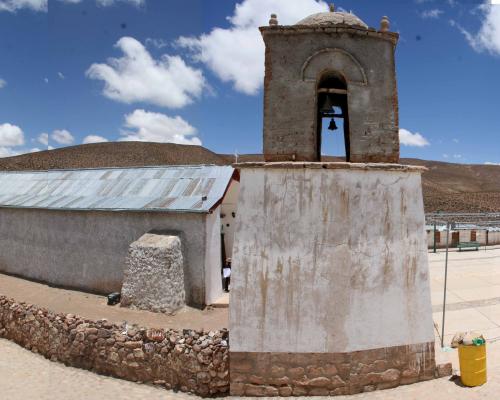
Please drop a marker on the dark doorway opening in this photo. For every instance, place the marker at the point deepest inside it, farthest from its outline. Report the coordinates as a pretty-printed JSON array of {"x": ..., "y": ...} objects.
[{"x": 332, "y": 116}]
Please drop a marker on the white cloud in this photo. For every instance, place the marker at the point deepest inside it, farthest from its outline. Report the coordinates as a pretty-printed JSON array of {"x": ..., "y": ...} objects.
[
  {"x": 435, "y": 13},
  {"x": 146, "y": 126},
  {"x": 407, "y": 138},
  {"x": 445, "y": 155},
  {"x": 46, "y": 80},
  {"x": 62, "y": 136},
  {"x": 43, "y": 138},
  {"x": 94, "y": 139},
  {"x": 106, "y": 3},
  {"x": 158, "y": 43},
  {"x": 6, "y": 152},
  {"x": 488, "y": 36},
  {"x": 61, "y": 75},
  {"x": 15, "y": 5},
  {"x": 11, "y": 135},
  {"x": 455, "y": 140},
  {"x": 491, "y": 163},
  {"x": 137, "y": 77},
  {"x": 42, "y": 5},
  {"x": 236, "y": 54},
  {"x": 2, "y": 83},
  {"x": 457, "y": 156}
]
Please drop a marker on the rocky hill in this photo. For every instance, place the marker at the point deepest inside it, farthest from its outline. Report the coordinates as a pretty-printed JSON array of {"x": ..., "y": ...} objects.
[
  {"x": 447, "y": 186},
  {"x": 113, "y": 154}
]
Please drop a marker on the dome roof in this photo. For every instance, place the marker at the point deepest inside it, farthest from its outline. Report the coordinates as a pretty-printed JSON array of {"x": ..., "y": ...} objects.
[{"x": 332, "y": 18}]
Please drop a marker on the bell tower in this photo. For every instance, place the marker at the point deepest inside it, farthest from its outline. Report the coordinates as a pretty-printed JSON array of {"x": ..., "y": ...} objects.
[
  {"x": 329, "y": 67},
  {"x": 330, "y": 285}
]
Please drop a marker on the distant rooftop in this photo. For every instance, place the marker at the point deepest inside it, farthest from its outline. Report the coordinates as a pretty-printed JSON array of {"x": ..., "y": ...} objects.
[{"x": 197, "y": 188}]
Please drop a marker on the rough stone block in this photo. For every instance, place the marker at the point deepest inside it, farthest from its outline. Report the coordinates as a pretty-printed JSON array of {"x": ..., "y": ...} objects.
[{"x": 154, "y": 275}]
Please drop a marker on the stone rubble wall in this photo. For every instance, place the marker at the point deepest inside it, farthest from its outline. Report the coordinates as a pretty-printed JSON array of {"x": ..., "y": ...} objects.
[{"x": 190, "y": 361}]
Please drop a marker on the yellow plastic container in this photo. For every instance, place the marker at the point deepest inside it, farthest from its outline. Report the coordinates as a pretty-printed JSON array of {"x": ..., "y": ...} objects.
[{"x": 472, "y": 364}]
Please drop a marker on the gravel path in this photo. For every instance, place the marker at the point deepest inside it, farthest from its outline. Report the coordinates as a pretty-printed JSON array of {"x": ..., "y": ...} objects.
[{"x": 28, "y": 376}]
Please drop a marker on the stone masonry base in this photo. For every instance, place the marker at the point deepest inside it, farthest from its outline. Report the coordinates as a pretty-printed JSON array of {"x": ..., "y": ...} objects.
[{"x": 323, "y": 374}]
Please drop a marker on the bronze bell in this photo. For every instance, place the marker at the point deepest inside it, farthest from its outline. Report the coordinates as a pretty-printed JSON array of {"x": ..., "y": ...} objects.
[
  {"x": 326, "y": 104},
  {"x": 333, "y": 125}
]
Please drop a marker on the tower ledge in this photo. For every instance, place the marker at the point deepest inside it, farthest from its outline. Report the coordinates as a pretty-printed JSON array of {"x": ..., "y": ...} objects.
[{"x": 331, "y": 165}]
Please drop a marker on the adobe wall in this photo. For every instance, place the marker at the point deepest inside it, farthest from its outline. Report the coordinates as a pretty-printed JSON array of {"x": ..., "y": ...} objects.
[
  {"x": 87, "y": 250},
  {"x": 330, "y": 268},
  {"x": 190, "y": 361}
]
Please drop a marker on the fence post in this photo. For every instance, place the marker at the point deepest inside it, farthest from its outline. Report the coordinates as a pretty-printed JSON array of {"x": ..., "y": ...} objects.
[{"x": 445, "y": 282}]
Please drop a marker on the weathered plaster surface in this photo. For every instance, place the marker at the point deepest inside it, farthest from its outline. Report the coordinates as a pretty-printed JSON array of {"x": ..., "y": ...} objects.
[
  {"x": 154, "y": 275},
  {"x": 329, "y": 260},
  {"x": 87, "y": 250},
  {"x": 296, "y": 57}
]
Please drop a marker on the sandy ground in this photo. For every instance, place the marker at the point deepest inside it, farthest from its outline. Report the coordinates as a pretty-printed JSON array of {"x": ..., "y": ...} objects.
[
  {"x": 94, "y": 307},
  {"x": 473, "y": 304},
  {"x": 28, "y": 376}
]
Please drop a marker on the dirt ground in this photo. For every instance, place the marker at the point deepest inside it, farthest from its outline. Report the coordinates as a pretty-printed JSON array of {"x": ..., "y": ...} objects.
[
  {"x": 473, "y": 303},
  {"x": 94, "y": 307},
  {"x": 28, "y": 376}
]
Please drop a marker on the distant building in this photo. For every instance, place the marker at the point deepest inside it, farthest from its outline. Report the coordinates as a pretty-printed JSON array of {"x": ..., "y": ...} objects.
[{"x": 73, "y": 228}]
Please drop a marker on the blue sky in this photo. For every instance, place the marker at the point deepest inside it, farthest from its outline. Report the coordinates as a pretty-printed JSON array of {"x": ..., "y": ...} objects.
[{"x": 190, "y": 71}]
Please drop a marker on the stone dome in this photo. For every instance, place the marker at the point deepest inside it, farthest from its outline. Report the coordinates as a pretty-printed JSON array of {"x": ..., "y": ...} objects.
[{"x": 332, "y": 18}]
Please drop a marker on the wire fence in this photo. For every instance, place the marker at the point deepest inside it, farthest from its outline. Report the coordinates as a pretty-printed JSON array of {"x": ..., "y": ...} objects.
[
  {"x": 457, "y": 222},
  {"x": 478, "y": 219}
]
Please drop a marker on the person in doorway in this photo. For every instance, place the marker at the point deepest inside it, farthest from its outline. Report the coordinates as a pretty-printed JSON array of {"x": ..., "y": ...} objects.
[{"x": 226, "y": 274}]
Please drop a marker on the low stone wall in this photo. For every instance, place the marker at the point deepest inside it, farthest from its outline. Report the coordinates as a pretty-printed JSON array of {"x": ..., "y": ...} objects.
[
  {"x": 329, "y": 374},
  {"x": 190, "y": 361}
]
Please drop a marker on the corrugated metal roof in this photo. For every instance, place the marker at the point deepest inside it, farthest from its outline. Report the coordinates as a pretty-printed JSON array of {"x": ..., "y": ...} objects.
[{"x": 171, "y": 188}]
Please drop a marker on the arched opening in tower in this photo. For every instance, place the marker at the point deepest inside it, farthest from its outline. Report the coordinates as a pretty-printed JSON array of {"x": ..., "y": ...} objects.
[{"x": 332, "y": 128}]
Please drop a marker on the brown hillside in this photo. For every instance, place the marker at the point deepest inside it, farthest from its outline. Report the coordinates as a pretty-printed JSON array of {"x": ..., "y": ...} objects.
[
  {"x": 446, "y": 186},
  {"x": 113, "y": 154}
]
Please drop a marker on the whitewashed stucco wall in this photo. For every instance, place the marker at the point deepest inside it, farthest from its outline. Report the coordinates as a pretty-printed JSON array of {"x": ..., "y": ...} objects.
[
  {"x": 87, "y": 250},
  {"x": 213, "y": 261},
  {"x": 331, "y": 260},
  {"x": 229, "y": 207}
]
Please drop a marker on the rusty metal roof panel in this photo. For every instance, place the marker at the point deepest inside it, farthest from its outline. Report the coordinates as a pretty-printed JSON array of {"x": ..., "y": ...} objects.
[{"x": 195, "y": 188}]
